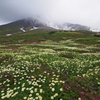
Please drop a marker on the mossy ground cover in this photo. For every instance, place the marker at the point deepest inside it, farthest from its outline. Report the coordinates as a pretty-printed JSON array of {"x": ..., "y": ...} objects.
[{"x": 47, "y": 66}]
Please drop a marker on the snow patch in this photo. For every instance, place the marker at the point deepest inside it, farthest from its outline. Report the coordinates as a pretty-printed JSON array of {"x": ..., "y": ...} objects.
[
  {"x": 59, "y": 27},
  {"x": 22, "y": 29},
  {"x": 8, "y": 34},
  {"x": 94, "y": 30},
  {"x": 34, "y": 28}
]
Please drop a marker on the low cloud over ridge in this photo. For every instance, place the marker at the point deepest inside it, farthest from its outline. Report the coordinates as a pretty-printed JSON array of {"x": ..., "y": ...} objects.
[{"x": 85, "y": 12}]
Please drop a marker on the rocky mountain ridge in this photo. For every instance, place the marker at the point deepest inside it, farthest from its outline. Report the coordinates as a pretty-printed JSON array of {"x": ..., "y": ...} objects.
[{"x": 30, "y": 24}]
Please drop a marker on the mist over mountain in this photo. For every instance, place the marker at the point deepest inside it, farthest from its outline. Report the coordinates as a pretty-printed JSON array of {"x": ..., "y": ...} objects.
[
  {"x": 69, "y": 26},
  {"x": 24, "y": 25},
  {"x": 29, "y": 24},
  {"x": 83, "y": 12}
]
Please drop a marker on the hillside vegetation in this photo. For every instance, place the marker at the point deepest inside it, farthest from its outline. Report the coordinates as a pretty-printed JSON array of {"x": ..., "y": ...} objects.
[{"x": 42, "y": 65}]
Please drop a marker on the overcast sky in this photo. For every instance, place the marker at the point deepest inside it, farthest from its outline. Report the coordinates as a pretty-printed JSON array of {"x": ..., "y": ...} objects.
[{"x": 84, "y": 12}]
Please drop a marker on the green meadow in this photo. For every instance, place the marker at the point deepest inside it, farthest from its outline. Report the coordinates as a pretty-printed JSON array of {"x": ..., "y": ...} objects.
[{"x": 57, "y": 65}]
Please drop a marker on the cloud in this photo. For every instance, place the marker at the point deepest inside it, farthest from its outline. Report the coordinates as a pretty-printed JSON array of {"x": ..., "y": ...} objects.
[{"x": 85, "y": 12}]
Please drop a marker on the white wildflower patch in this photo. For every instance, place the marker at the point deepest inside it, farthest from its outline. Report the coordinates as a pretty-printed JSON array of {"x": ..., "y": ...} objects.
[{"x": 41, "y": 72}]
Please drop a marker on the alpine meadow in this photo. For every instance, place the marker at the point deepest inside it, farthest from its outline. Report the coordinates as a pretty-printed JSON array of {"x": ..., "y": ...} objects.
[{"x": 50, "y": 65}]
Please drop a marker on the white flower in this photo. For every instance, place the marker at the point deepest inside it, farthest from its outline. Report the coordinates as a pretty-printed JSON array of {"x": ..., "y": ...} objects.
[
  {"x": 36, "y": 97},
  {"x": 40, "y": 97},
  {"x": 41, "y": 90},
  {"x": 79, "y": 98},
  {"x": 3, "y": 97},
  {"x": 30, "y": 95},
  {"x": 52, "y": 97},
  {"x": 35, "y": 89},
  {"x": 31, "y": 91},
  {"x": 53, "y": 89},
  {"x": 37, "y": 94},
  {"x": 25, "y": 97},
  {"x": 61, "y": 89}
]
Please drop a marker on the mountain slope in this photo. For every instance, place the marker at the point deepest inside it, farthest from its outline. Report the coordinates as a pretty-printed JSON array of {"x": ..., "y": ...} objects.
[
  {"x": 19, "y": 26},
  {"x": 30, "y": 24},
  {"x": 69, "y": 26}
]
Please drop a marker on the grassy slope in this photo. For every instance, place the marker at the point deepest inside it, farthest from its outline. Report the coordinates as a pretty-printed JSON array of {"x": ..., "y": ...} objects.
[
  {"x": 41, "y": 34},
  {"x": 14, "y": 27},
  {"x": 11, "y": 28},
  {"x": 72, "y": 55}
]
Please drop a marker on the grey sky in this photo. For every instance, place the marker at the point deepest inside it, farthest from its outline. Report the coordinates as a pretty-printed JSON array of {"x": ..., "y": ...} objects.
[{"x": 85, "y": 12}]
